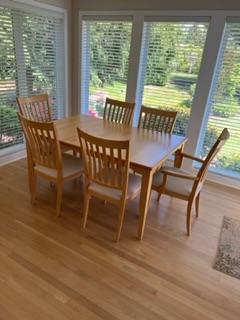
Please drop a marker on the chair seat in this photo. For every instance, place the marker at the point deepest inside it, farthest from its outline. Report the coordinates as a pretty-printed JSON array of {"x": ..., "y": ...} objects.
[
  {"x": 71, "y": 166},
  {"x": 134, "y": 185},
  {"x": 174, "y": 184}
]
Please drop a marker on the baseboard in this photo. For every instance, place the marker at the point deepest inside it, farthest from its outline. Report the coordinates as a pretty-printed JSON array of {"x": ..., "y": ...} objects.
[{"x": 8, "y": 158}]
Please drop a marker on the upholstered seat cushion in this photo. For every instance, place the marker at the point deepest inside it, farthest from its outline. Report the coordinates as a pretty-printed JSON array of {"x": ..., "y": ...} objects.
[
  {"x": 71, "y": 166},
  {"x": 134, "y": 185},
  {"x": 174, "y": 184}
]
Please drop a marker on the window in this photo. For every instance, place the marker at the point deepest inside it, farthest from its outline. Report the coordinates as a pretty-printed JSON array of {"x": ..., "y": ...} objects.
[
  {"x": 31, "y": 62},
  {"x": 187, "y": 64},
  {"x": 170, "y": 62},
  {"x": 105, "y": 57},
  {"x": 224, "y": 104}
]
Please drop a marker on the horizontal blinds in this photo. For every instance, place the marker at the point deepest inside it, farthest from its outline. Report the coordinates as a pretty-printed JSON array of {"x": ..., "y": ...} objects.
[
  {"x": 107, "y": 18},
  {"x": 224, "y": 104},
  {"x": 105, "y": 58},
  {"x": 170, "y": 62},
  {"x": 10, "y": 133},
  {"x": 31, "y": 62}
]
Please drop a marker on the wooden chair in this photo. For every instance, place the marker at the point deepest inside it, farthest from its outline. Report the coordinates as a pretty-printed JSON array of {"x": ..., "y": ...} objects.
[
  {"x": 47, "y": 159},
  {"x": 106, "y": 168},
  {"x": 36, "y": 108},
  {"x": 157, "y": 120},
  {"x": 181, "y": 184},
  {"x": 118, "y": 111}
]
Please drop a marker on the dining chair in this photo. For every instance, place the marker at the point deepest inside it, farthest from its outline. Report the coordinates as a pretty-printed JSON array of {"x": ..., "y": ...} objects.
[
  {"x": 107, "y": 177},
  {"x": 157, "y": 119},
  {"x": 118, "y": 111},
  {"x": 181, "y": 184},
  {"x": 47, "y": 158},
  {"x": 36, "y": 108}
]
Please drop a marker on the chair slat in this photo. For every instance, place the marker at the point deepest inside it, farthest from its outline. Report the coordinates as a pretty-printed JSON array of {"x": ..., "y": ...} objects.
[
  {"x": 106, "y": 161},
  {"x": 118, "y": 111},
  {"x": 36, "y": 108},
  {"x": 157, "y": 120},
  {"x": 43, "y": 143}
]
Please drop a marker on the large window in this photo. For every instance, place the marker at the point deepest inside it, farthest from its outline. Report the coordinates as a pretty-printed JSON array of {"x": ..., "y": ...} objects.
[
  {"x": 105, "y": 57},
  {"x": 171, "y": 58},
  {"x": 31, "y": 62},
  {"x": 224, "y": 104},
  {"x": 189, "y": 64}
]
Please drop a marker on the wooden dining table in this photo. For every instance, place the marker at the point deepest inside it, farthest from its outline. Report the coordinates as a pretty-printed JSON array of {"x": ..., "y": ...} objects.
[{"x": 148, "y": 149}]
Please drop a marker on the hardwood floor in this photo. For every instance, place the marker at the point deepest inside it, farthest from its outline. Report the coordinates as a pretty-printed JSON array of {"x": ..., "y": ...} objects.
[{"x": 51, "y": 269}]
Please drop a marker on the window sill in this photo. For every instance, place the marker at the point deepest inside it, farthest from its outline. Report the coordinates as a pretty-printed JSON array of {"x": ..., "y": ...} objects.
[{"x": 13, "y": 156}]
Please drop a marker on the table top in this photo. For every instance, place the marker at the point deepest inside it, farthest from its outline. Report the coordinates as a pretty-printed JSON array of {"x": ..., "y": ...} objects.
[{"x": 147, "y": 148}]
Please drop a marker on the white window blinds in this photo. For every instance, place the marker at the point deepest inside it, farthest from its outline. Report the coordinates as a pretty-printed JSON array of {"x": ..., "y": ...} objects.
[
  {"x": 31, "y": 62},
  {"x": 224, "y": 104},
  {"x": 170, "y": 62},
  {"x": 105, "y": 57}
]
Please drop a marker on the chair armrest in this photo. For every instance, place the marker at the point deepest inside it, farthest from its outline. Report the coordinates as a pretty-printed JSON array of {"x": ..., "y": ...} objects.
[
  {"x": 173, "y": 173},
  {"x": 189, "y": 156}
]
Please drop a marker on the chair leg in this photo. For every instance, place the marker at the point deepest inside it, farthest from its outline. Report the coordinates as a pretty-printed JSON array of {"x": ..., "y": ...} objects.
[
  {"x": 86, "y": 209},
  {"x": 120, "y": 220},
  {"x": 52, "y": 185},
  {"x": 159, "y": 196},
  {"x": 59, "y": 198},
  {"x": 197, "y": 204},
  {"x": 189, "y": 217},
  {"x": 30, "y": 178},
  {"x": 33, "y": 187},
  {"x": 30, "y": 169}
]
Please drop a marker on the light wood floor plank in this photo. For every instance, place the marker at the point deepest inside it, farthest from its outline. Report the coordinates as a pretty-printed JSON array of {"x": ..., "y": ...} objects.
[{"x": 51, "y": 269}]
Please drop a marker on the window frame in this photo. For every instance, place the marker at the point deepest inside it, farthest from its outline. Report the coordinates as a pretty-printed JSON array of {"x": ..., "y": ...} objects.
[
  {"x": 217, "y": 21},
  {"x": 31, "y": 6},
  {"x": 84, "y": 96}
]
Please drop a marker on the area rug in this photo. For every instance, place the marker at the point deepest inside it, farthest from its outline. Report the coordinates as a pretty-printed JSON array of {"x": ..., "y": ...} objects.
[{"x": 228, "y": 253}]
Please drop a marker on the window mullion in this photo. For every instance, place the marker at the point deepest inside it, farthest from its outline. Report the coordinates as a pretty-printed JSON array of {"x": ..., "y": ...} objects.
[
  {"x": 134, "y": 62},
  {"x": 142, "y": 71},
  {"x": 21, "y": 72},
  {"x": 60, "y": 72},
  {"x": 85, "y": 68},
  {"x": 205, "y": 82}
]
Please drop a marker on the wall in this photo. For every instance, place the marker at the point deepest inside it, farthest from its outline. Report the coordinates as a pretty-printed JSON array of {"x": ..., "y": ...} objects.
[
  {"x": 58, "y": 3},
  {"x": 156, "y": 4}
]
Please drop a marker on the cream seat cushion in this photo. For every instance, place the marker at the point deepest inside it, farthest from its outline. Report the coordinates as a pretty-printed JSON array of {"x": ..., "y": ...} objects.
[
  {"x": 134, "y": 185},
  {"x": 174, "y": 184},
  {"x": 71, "y": 166}
]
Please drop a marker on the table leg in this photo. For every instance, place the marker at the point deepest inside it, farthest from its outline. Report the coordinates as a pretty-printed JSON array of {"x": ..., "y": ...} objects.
[
  {"x": 178, "y": 158},
  {"x": 30, "y": 168},
  {"x": 144, "y": 200}
]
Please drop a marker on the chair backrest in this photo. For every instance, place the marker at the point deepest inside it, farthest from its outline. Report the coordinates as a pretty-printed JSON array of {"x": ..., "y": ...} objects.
[
  {"x": 118, "y": 111},
  {"x": 223, "y": 137},
  {"x": 157, "y": 120},
  {"x": 35, "y": 108},
  {"x": 106, "y": 162},
  {"x": 43, "y": 143}
]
